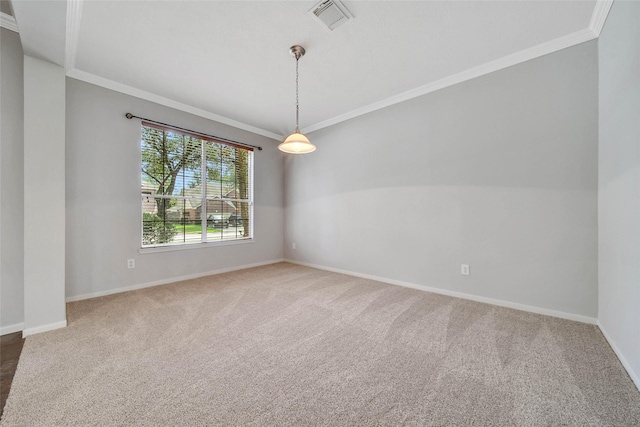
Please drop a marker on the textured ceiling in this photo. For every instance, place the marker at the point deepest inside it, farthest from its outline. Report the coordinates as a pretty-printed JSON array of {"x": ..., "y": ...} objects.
[{"x": 231, "y": 59}]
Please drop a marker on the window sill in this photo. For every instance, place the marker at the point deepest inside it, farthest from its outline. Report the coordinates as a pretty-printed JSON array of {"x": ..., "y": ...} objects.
[{"x": 188, "y": 246}]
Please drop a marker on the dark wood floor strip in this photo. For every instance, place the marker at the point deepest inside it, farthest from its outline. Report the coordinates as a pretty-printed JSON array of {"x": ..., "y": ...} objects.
[{"x": 10, "y": 349}]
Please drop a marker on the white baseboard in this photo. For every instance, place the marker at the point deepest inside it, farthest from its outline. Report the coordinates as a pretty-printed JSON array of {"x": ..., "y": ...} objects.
[
  {"x": 4, "y": 330},
  {"x": 44, "y": 328},
  {"x": 501, "y": 303},
  {"x": 634, "y": 376},
  {"x": 167, "y": 281}
]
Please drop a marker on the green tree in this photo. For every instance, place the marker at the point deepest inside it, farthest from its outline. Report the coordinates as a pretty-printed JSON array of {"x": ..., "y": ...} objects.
[
  {"x": 164, "y": 156},
  {"x": 156, "y": 230}
]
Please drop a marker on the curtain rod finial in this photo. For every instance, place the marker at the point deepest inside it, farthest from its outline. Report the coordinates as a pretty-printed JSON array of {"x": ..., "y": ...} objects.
[{"x": 129, "y": 116}]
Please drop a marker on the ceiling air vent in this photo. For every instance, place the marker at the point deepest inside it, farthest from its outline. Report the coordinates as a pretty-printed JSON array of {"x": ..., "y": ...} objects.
[{"x": 331, "y": 13}]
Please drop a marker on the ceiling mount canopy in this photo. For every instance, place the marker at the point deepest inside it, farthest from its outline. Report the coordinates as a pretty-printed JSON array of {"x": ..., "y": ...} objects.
[
  {"x": 297, "y": 51},
  {"x": 297, "y": 143}
]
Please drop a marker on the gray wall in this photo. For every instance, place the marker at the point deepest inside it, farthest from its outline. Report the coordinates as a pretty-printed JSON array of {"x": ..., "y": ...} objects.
[
  {"x": 103, "y": 196},
  {"x": 619, "y": 183},
  {"x": 11, "y": 183},
  {"x": 499, "y": 172}
]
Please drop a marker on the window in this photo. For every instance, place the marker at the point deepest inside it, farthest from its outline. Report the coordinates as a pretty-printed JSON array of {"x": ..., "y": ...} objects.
[{"x": 194, "y": 189}]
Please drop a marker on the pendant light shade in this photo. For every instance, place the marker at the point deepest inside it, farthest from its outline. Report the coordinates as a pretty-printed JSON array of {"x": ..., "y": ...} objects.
[{"x": 297, "y": 143}]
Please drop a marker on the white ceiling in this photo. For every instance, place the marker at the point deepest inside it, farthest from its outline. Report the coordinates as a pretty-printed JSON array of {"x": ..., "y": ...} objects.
[{"x": 229, "y": 60}]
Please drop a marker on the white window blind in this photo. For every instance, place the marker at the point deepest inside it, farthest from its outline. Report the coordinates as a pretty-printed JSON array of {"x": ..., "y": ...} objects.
[{"x": 194, "y": 189}]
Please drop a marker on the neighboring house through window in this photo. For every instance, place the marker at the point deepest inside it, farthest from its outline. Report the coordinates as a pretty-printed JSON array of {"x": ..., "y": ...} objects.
[{"x": 194, "y": 189}]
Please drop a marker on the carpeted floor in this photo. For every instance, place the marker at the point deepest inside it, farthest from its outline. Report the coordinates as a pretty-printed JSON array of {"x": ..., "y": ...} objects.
[{"x": 291, "y": 345}]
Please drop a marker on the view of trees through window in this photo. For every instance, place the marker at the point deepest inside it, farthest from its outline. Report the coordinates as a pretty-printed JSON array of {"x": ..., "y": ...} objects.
[{"x": 194, "y": 189}]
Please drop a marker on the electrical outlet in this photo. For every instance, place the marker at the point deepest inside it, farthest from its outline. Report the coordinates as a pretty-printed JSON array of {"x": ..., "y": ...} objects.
[
  {"x": 464, "y": 269},
  {"x": 293, "y": 246},
  {"x": 131, "y": 263}
]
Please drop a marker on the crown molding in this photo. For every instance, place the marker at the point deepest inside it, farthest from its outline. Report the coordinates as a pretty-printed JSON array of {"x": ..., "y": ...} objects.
[
  {"x": 489, "y": 67},
  {"x": 74, "y": 16},
  {"x": 599, "y": 16},
  {"x": 138, "y": 93},
  {"x": 8, "y": 22}
]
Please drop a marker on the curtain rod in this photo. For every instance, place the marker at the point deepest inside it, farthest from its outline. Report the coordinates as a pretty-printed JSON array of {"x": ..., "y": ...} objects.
[{"x": 131, "y": 116}]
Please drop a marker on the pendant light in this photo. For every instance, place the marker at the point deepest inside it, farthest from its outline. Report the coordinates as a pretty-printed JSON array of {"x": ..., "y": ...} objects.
[{"x": 297, "y": 143}]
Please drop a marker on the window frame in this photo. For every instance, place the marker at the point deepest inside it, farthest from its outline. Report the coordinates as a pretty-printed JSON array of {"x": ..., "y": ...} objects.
[{"x": 204, "y": 240}]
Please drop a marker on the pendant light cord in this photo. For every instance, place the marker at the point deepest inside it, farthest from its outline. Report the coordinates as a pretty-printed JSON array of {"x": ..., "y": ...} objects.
[
  {"x": 297, "y": 100},
  {"x": 297, "y": 143}
]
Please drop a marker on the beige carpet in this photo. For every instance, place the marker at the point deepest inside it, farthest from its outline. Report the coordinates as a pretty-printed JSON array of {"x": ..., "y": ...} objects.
[{"x": 290, "y": 345}]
